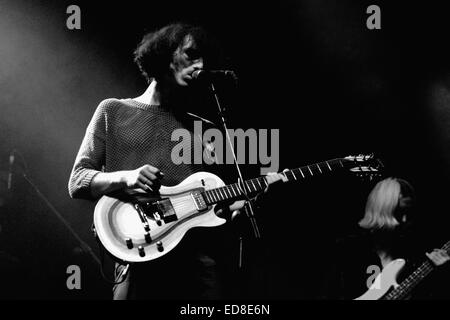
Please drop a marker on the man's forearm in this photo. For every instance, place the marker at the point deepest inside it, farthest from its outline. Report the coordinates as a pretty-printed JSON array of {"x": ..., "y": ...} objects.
[{"x": 106, "y": 182}]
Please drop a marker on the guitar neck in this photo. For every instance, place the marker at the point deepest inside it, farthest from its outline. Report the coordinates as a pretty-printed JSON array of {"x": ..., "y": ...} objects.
[
  {"x": 405, "y": 288},
  {"x": 253, "y": 186}
]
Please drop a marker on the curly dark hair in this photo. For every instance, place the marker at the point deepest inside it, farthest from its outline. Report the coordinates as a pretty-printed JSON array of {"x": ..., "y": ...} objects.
[{"x": 154, "y": 53}]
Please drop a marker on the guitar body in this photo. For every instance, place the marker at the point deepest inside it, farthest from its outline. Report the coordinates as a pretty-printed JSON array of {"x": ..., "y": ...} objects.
[
  {"x": 386, "y": 280},
  {"x": 121, "y": 227}
]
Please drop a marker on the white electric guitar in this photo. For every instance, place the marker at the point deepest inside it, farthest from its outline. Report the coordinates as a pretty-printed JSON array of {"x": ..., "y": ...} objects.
[
  {"x": 385, "y": 286},
  {"x": 142, "y": 226}
]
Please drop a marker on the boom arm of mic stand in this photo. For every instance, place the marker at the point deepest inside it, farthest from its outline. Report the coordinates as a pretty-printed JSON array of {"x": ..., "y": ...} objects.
[
  {"x": 248, "y": 207},
  {"x": 84, "y": 246}
]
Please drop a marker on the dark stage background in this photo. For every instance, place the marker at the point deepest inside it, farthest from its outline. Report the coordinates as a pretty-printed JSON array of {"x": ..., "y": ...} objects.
[{"x": 308, "y": 68}]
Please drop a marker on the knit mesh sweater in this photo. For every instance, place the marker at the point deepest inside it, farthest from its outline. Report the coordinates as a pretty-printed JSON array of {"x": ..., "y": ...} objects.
[{"x": 125, "y": 135}]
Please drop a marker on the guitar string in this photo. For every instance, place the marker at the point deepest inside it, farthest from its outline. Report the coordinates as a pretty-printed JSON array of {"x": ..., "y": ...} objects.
[
  {"x": 416, "y": 276},
  {"x": 217, "y": 194},
  {"x": 404, "y": 288}
]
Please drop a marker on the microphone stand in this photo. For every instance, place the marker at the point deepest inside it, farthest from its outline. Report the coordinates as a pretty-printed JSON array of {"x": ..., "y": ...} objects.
[
  {"x": 248, "y": 207},
  {"x": 83, "y": 245}
]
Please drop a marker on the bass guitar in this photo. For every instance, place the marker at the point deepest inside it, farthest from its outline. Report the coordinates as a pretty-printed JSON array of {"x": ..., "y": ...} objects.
[{"x": 385, "y": 286}]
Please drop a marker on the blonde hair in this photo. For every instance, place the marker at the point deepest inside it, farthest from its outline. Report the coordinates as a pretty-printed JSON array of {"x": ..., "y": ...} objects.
[{"x": 381, "y": 205}]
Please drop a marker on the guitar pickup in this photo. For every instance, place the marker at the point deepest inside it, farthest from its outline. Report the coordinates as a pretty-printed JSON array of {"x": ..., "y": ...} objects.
[
  {"x": 199, "y": 201},
  {"x": 166, "y": 211},
  {"x": 160, "y": 211}
]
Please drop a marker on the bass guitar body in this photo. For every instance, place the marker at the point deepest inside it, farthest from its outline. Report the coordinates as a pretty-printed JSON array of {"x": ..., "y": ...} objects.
[{"x": 385, "y": 281}]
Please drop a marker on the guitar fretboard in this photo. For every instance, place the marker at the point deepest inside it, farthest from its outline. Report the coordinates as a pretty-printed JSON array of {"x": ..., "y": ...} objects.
[
  {"x": 254, "y": 186},
  {"x": 404, "y": 289}
]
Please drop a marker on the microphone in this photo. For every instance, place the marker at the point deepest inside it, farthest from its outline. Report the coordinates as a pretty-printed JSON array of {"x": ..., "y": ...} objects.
[
  {"x": 213, "y": 74},
  {"x": 11, "y": 163}
]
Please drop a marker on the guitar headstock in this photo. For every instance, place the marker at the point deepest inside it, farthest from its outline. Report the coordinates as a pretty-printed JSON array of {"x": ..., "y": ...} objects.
[{"x": 364, "y": 165}]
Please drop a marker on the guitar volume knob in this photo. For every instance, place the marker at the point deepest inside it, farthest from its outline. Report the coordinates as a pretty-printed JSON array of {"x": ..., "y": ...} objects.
[
  {"x": 141, "y": 251},
  {"x": 129, "y": 243}
]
